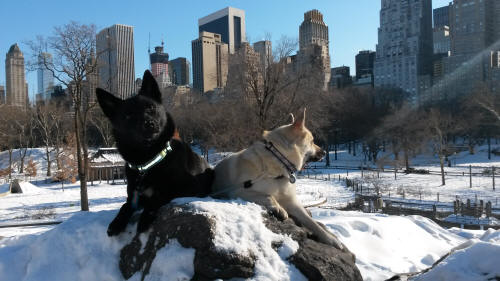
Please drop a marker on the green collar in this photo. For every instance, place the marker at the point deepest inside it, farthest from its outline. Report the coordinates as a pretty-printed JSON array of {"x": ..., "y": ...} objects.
[{"x": 160, "y": 156}]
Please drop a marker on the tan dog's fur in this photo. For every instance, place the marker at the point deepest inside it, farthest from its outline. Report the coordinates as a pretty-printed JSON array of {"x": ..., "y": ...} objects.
[{"x": 269, "y": 188}]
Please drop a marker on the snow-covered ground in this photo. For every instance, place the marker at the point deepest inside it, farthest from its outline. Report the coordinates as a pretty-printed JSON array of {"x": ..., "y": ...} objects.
[
  {"x": 417, "y": 186},
  {"x": 79, "y": 249}
]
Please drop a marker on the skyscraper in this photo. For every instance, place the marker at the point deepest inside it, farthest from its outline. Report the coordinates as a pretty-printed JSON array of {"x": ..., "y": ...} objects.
[
  {"x": 404, "y": 49},
  {"x": 441, "y": 16},
  {"x": 115, "y": 49},
  {"x": 45, "y": 77},
  {"x": 17, "y": 89},
  {"x": 179, "y": 71},
  {"x": 210, "y": 62},
  {"x": 229, "y": 23},
  {"x": 159, "y": 66},
  {"x": 475, "y": 37},
  {"x": 265, "y": 50},
  {"x": 313, "y": 41}
]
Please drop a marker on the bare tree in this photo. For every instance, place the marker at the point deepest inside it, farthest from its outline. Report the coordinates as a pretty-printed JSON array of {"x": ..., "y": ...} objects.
[
  {"x": 49, "y": 122},
  {"x": 101, "y": 123},
  {"x": 73, "y": 49},
  {"x": 441, "y": 125}
]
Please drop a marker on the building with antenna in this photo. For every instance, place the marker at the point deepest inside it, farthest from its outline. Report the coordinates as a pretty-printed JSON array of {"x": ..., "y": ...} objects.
[{"x": 159, "y": 66}]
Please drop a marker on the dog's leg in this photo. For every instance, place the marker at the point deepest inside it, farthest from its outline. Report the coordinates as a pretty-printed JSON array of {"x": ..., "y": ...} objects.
[
  {"x": 147, "y": 217},
  {"x": 204, "y": 182},
  {"x": 300, "y": 214},
  {"x": 121, "y": 220},
  {"x": 269, "y": 202}
]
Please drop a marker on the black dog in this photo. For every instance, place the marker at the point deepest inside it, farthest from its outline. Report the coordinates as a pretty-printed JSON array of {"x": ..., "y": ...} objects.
[{"x": 159, "y": 167}]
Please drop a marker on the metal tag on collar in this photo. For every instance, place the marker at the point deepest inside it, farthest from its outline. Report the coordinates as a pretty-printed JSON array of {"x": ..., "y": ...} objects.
[{"x": 293, "y": 178}]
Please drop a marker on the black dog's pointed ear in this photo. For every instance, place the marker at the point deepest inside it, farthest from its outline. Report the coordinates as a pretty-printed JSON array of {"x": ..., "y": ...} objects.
[
  {"x": 149, "y": 87},
  {"x": 108, "y": 102}
]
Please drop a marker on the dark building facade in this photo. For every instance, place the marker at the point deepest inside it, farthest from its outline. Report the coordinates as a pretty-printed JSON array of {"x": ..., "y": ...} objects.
[
  {"x": 340, "y": 77},
  {"x": 441, "y": 16},
  {"x": 179, "y": 71},
  {"x": 364, "y": 64},
  {"x": 229, "y": 23}
]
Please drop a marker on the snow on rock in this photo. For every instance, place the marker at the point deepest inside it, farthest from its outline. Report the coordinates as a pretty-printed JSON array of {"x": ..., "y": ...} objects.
[
  {"x": 172, "y": 263},
  {"x": 239, "y": 228},
  {"x": 386, "y": 245}
]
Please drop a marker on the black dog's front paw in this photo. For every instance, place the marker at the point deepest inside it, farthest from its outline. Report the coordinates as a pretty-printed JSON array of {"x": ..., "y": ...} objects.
[
  {"x": 147, "y": 217},
  {"x": 116, "y": 228},
  {"x": 119, "y": 224}
]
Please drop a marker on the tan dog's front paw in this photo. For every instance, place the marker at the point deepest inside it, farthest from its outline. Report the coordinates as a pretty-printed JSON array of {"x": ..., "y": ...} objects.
[{"x": 279, "y": 213}]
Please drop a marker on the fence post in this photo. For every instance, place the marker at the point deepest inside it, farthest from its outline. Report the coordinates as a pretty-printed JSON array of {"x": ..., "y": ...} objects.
[
  {"x": 438, "y": 196},
  {"x": 395, "y": 172},
  {"x": 361, "y": 171},
  {"x": 493, "y": 175},
  {"x": 470, "y": 176}
]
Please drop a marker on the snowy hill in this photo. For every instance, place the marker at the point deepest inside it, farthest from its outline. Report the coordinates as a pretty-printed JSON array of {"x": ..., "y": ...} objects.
[{"x": 384, "y": 245}]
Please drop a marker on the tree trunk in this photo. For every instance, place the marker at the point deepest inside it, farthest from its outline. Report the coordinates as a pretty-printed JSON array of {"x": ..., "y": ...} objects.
[
  {"x": 407, "y": 162},
  {"x": 327, "y": 158},
  {"x": 84, "y": 202},
  {"x": 10, "y": 163},
  {"x": 489, "y": 148},
  {"x": 441, "y": 163},
  {"x": 47, "y": 153}
]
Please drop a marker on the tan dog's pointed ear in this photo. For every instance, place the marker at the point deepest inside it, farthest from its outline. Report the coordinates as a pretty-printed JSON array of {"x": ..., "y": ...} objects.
[
  {"x": 176, "y": 135},
  {"x": 299, "y": 123},
  {"x": 292, "y": 118}
]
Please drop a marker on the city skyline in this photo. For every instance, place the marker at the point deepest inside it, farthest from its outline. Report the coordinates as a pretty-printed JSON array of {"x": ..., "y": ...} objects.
[{"x": 348, "y": 34}]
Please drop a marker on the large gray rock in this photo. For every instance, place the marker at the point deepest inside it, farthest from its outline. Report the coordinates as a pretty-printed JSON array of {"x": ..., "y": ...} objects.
[
  {"x": 15, "y": 187},
  {"x": 316, "y": 261}
]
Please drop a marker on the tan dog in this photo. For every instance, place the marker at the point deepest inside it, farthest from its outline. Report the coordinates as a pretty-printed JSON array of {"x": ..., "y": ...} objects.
[{"x": 264, "y": 174}]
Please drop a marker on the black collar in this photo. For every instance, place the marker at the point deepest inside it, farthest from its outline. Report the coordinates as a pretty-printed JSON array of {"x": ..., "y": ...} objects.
[{"x": 290, "y": 167}]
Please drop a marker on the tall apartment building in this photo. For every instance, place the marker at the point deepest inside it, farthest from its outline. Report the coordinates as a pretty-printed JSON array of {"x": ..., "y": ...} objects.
[
  {"x": 210, "y": 61},
  {"x": 404, "y": 49},
  {"x": 159, "y": 66},
  {"x": 2, "y": 95},
  {"x": 441, "y": 16},
  {"x": 265, "y": 50},
  {"x": 17, "y": 88},
  {"x": 115, "y": 51},
  {"x": 314, "y": 42},
  {"x": 229, "y": 23},
  {"x": 179, "y": 71},
  {"x": 45, "y": 76},
  {"x": 475, "y": 37}
]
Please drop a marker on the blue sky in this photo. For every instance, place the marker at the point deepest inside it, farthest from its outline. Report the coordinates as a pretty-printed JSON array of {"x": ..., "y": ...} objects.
[{"x": 352, "y": 23}]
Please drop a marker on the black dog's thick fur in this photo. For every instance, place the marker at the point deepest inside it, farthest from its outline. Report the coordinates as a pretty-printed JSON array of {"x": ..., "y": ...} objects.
[{"x": 142, "y": 128}]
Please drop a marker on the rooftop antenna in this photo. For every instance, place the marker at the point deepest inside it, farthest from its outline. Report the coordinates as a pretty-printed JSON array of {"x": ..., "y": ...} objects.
[
  {"x": 162, "y": 40},
  {"x": 149, "y": 44},
  {"x": 149, "y": 50}
]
